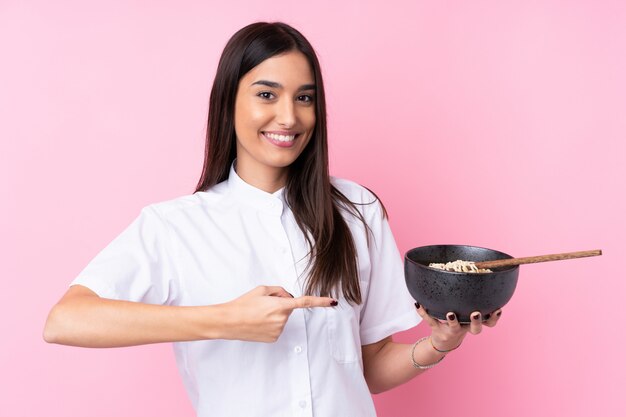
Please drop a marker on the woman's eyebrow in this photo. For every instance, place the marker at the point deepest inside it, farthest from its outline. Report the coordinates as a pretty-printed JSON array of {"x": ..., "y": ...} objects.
[{"x": 274, "y": 84}]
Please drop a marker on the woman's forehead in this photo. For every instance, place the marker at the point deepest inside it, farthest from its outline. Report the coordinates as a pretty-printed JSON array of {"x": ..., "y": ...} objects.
[{"x": 288, "y": 70}]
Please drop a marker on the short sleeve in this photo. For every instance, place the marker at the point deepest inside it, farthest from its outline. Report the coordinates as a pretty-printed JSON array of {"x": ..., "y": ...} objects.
[
  {"x": 388, "y": 307},
  {"x": 136, "y": 265}
]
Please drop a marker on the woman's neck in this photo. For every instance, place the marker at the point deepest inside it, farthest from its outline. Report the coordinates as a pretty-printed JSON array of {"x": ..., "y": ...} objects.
[{"x": 268, "y": 179}]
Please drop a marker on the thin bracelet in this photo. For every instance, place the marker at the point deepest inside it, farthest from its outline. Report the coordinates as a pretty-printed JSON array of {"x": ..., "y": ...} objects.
[
  {"x": 417, "y": 365},
  {"x": 443, "y": 351}
]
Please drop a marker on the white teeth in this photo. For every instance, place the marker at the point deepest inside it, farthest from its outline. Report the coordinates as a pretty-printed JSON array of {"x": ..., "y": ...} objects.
[{"x": 282, "y": 138}]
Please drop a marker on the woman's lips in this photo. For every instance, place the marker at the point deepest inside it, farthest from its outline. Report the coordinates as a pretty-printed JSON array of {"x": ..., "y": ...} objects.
[{"x": 282, "y": 140}]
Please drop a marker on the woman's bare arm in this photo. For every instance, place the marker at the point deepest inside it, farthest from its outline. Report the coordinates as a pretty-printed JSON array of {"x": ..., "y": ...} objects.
[
  {"x": 82, "y": 318},
  {"x": 388, "y": 364}
]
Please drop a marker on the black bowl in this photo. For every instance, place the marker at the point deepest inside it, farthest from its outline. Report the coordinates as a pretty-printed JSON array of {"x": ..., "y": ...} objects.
[{"x": 462, "y": 293}]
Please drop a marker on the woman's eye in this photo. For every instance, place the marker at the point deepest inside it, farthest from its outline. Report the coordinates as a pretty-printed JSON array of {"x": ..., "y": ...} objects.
[
  {"x": 306, "y": 98},
  {"x": 265, "y": 94}
]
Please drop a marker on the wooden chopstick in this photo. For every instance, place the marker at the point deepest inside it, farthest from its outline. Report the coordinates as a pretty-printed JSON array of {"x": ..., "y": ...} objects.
[{"x": 534, "y": 259}]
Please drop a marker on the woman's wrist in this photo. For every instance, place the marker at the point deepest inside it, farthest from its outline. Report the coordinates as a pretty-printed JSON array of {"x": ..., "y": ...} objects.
[
  {"x": 425, "y": 353},
  {"x": 208, "y": 322},
  {"x": 424, "y": 356},
  {"x": 442, "y": 349},
  {"x": 225, "y": 321}
]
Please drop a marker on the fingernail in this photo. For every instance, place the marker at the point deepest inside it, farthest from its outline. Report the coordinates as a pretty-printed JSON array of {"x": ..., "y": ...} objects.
[
  {"x": 499, "y": 313},
  {"x": 476, "y": 316},
  {"x": 451, "y": 317},
  {"x": 487, "y": 316},
  {"x": 334, "y": 303},
  {"x": 417, "y": 305}
]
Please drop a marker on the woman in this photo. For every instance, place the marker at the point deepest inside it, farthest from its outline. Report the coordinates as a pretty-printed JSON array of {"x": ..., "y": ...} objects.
[{"x": 279, "y": 285}]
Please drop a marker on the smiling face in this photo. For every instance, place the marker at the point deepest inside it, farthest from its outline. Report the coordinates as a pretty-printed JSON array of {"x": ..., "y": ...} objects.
[{"x": 274, "y": 118}]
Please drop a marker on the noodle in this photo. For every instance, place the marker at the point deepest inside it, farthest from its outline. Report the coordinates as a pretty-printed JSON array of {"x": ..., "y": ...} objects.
[{"x": 459, "y": 266}]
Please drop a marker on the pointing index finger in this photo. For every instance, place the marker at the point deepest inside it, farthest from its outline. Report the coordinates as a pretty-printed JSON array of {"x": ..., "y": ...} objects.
[{"x": 308, "y": 301}]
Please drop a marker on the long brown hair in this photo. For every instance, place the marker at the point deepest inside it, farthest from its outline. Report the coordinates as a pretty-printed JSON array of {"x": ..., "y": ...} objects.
[{"x": 315, "y": 202}]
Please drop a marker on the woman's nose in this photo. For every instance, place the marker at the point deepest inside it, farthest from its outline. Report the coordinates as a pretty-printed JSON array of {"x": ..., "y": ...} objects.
[{"x": 286, "y": 114}]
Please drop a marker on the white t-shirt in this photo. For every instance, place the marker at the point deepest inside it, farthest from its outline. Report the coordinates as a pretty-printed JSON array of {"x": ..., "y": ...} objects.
[{"x": 211, "y": 247}]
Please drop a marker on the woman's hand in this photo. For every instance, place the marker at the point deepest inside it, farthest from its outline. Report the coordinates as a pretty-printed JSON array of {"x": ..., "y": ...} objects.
[
  {"x": 448, "y": 335},
  {"x": 260, "y": 315}
]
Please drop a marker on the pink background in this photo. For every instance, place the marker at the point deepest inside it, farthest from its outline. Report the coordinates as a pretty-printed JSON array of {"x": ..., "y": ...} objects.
[{"x": 494, "y": 123}]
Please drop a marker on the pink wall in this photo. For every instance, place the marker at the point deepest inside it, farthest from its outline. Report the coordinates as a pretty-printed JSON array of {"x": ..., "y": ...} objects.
[{"x": 494, "y": 123}]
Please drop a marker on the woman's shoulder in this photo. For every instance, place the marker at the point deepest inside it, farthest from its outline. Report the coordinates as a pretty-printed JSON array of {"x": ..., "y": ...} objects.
[{"x": 187, "y": 203}]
